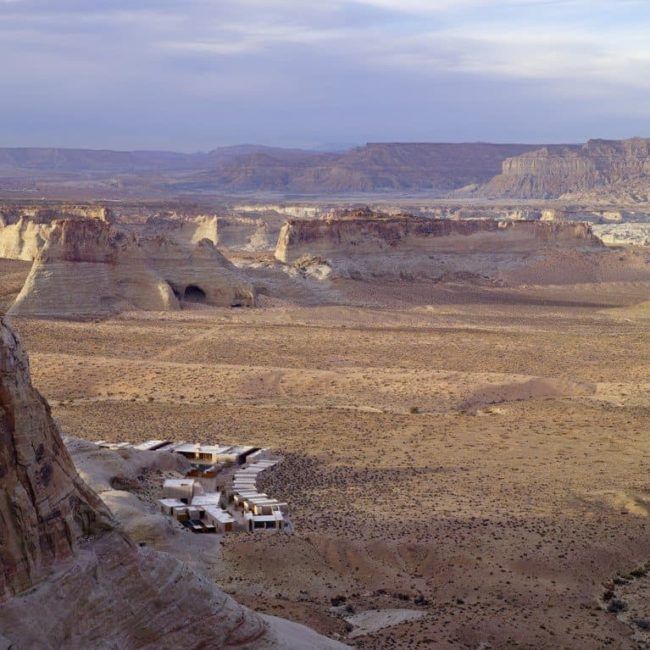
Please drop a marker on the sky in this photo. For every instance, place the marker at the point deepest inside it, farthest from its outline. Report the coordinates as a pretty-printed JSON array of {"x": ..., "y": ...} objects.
[{"x": 191, "y": 75}]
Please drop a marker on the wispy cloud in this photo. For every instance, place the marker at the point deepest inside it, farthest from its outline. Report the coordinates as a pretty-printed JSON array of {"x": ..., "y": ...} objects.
[{"x": 327, "y": 70}]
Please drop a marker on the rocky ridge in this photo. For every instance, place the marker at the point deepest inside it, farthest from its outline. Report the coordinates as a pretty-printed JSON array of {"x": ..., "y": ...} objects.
[
  {"x": 374, "y": 167},
  {"x": 618, "y": 169},
  {"x": 365, "y": 245}
]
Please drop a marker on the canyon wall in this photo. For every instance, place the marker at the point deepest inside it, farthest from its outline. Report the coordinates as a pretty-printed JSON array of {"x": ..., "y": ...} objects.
[{"x": 614, "y": 167}]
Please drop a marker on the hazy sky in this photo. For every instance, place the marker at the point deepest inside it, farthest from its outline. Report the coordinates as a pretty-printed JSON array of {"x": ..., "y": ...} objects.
[{"x": 195, "y": 74}]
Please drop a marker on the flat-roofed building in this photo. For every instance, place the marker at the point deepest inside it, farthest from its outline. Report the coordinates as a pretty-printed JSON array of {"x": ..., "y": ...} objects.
[
  {"x": 152, "y": 445},
  {"x": 240, "y": 497},
  {"x": 268, "y": 506},
  {"x": 183, "y": 489},
  {"x": 223, "y": 521},
  {"x": 167, "y": 506},
  {"x": 273, "y": 521},
  {"x": 207, "y": 499},
  {"x": 114, "y": 446},
  {"x": 201, "y": 454}
]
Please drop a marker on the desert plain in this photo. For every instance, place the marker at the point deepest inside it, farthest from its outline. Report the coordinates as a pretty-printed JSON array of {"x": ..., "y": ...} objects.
[{"x": 476, "y": 455}]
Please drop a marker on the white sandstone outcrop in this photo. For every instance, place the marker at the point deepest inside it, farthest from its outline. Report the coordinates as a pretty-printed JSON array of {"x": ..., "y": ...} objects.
[
  {"x": 88, "y": 268},
  {"x": 246, "y": 233},
  {"x": 363, "y": 245}
]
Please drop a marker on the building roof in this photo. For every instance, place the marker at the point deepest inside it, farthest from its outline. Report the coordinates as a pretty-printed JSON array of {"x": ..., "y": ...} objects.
[
  {"x": 219, "y": 514},
  {"x": 190, "y": 448},
  {"x": 151, "y": 444},
  {"x": 276, "y": 516},
  {"x": 207, "y": 499},
  {"x": 178, "y": 482},
  {"x": 172, "y": 503}
]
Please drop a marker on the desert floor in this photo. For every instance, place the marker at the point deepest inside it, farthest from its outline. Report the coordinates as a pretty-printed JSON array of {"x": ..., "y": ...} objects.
[{"x": 477, "y": 455}]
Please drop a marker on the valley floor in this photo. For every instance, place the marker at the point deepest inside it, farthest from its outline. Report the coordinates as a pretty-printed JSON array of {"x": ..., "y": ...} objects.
[{"x": 480, "y": 456}]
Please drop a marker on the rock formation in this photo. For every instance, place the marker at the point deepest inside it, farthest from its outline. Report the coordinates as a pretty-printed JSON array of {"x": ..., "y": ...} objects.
[
  {"x": 24, "y": 229},
  {"x": 620, "y": 169},
  {"x": 198, "y": 273},
  {"x": 231, "y": 232},
  {"x": 89, "y": 268},
  {"x": 363, "y": 245},
  {"x": 71, "y": 578},
  {"x": 24, "y": 239}
]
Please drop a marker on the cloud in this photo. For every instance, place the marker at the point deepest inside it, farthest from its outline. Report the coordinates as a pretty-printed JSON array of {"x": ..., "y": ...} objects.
[{"x": 269, "y": 67}]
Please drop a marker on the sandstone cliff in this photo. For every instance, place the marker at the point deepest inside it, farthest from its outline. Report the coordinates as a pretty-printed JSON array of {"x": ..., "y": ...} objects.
[
  {"x": 617, "y": 168},
  {"x": 45, "y": 508},
  {"x": 24, "y": 229},
  {"x": 89, "y": 268},
  {"x": 231, "y": 232},
  {"x": 411, "y": 248},
  {"x": 24, "y": 239},
  {"x": 71, "y": 578},
  {"x": 359, "y": 236}
]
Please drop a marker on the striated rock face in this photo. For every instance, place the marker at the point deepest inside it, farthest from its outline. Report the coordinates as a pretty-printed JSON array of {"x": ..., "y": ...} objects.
[
  {"x": 552, "y": 172},
  {"x": 70, "y": 578},
  {"x": 359, "y": 236},
  {"x": 89, "y": 268},
  {"x": 24, "y": 230},
  {"x": 410, "y": 248},
  {"x": 44, "y": 506},
  {"x": 231, "y": 232},
  {"x": 24, "y": 239}
]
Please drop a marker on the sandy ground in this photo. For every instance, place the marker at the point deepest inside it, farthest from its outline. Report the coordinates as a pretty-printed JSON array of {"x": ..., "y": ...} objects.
[{"x": 477, "y": 455}]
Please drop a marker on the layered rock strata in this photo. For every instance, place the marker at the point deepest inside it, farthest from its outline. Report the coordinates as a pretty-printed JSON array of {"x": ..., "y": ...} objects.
[
  {"x": 231, "y": 232},
  {"x": 609, "y": 166},
  {"x": 89, "y": 268},
  {"x": 404, "y": 247}
]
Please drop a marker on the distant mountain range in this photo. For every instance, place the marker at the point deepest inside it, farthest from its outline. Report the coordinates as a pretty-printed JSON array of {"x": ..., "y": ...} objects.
[{"x": 523, "y": 171}]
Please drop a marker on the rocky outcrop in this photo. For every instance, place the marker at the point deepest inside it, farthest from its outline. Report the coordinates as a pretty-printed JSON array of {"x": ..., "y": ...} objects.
[
  {"x": 24, "y": 239},
  {"x": 25, "y": 229},
  {"x": 71, "y": 578},
  {"x": 44, "y": 507},
  {"x": 231, "y": 232},
  {"x": 612, "y": 167},
  {"x": 89, "y": 268},
  {"x": 198, "y": 273},
  {"x": 364, "y": 236},
  {"x": 410, "y": 248}
]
